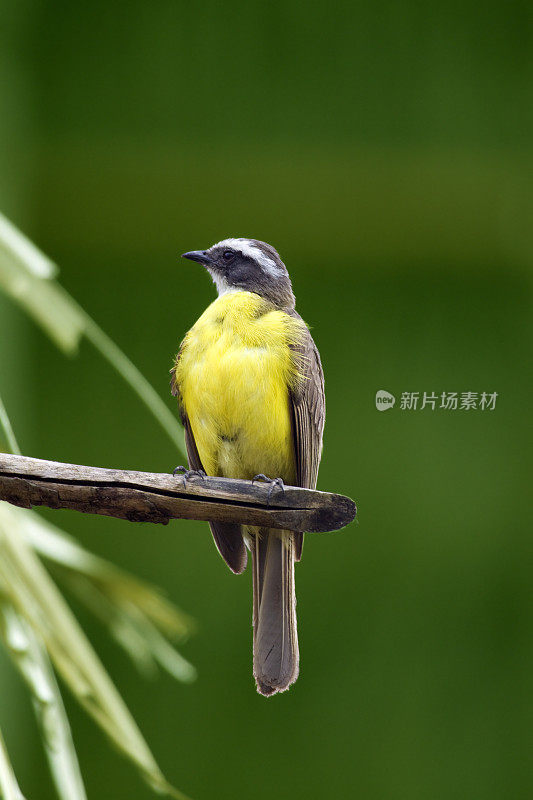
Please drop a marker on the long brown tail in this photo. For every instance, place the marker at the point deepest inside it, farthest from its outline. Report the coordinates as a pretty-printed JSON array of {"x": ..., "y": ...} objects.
[{"x": 276, "y": 656}]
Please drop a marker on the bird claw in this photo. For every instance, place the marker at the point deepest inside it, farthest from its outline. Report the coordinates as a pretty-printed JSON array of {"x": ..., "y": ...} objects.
[
  {"x": 272, "y": 481},
  {"x": 187, "y": 474}
]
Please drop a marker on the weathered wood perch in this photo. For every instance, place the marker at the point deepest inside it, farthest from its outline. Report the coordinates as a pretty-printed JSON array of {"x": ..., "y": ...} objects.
[{"x": 159, "y": 497}]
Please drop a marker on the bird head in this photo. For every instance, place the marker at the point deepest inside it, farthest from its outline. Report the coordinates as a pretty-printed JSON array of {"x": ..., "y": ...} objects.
[{"x": 247, "y": 265}]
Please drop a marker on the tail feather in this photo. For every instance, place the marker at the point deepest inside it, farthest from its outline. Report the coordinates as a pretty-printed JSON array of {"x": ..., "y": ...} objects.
[{"x": 276, "y": 656}]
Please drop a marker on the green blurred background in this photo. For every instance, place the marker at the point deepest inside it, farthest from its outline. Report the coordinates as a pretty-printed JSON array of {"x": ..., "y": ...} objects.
[{"x": 386, "y": 150}]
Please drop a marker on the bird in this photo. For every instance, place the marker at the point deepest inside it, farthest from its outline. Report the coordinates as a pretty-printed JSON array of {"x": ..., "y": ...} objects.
[{"x": 250, "y": 388}]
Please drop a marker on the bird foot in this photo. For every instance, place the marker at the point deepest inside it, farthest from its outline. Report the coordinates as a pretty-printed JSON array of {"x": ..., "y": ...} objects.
[
  {"x": 272, "y": 481},
  {"x": 187, "y": 474}
]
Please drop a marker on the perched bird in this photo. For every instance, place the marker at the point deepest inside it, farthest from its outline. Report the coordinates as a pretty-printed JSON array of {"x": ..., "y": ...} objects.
[{"x": 250, "y": 390}]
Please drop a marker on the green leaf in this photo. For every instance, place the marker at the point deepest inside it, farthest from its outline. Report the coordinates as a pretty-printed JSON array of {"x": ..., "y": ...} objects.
[
  {"x": 36, "y": 624},
  {"x": 25, "y": 584},
  {"x": 9, "y": 788},
  {"x": 136, "y": 613},
  {"x": 30, "y": 657},
  {"x": 5, "y": 425},
  {"x": 27, "y": 276},
  {"x": 23, "y": 252},
  {"x": 138, "y": 383}
]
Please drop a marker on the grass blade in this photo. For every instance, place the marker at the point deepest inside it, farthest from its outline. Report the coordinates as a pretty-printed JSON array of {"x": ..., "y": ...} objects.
[
  {"x": 137, "y": 382},
  {"x": 26, "y": 275},
  {"x": 9, "y": 788},
  {"x": 31, "y": 659},
  {"x": 5, "y": 426},
  {"x": 43, "y": 300},
  {"x": 20, "y": 249},
  {"x": 135, "y": 612},
  {"x": 35, "y": 597}
]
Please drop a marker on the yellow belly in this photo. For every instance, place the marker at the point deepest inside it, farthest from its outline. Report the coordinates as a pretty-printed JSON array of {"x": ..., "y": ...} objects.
[{"x": 234, "y": 372}]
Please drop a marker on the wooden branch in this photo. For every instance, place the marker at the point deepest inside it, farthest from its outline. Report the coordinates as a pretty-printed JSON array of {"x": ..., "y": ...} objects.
[{"x": 159, "y": 497}]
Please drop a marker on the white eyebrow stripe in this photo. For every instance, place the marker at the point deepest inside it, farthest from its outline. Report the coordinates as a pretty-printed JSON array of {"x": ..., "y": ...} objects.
[{"x": 250, "y": 250}]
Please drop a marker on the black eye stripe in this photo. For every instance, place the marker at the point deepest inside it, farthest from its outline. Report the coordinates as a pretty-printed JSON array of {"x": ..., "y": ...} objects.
[{"x": 228, "y": 255}]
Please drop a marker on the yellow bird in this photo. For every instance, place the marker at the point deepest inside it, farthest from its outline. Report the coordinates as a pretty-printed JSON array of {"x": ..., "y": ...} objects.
[{"x": 250, "y": 390}]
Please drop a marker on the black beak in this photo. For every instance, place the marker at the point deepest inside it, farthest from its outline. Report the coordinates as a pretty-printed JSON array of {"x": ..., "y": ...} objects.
[{"x": 198, "y": 255}]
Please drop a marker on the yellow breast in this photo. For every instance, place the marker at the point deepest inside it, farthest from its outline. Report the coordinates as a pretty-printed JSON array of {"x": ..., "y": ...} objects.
[{"x": 234, "y": 372}]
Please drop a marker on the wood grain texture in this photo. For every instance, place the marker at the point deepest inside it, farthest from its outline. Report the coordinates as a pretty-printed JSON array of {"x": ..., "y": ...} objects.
[{"x": 159, "y": 497}]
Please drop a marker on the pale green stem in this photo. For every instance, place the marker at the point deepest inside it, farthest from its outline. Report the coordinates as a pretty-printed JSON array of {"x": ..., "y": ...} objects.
[
  {"x": 9, "y": 788},
  {"x": 5, "y": 425},
  {"x": 31, "y": 658},
  {"x": 136, "y": 380}
]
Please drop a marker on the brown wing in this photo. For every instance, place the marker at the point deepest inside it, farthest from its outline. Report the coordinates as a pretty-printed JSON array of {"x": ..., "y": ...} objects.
[
  {"x": 308, "y": 407},
  {"x": 227, "y": 535}
]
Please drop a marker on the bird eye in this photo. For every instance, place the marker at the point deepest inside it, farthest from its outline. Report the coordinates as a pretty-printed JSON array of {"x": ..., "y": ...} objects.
[{"x": 228, "y": 255}]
